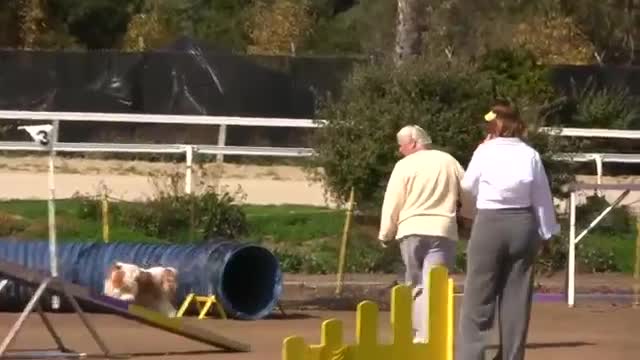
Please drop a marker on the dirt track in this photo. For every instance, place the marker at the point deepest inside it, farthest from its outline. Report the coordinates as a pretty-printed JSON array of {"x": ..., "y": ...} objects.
[
  {"x": 26, "y": 178},
  {"x": 589, "y": 332}
]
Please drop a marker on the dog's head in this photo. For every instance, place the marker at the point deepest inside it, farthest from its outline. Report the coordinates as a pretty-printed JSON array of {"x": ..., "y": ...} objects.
[
  {"x": 169, "y": 281},
  {"x": 122, "y": 278}
]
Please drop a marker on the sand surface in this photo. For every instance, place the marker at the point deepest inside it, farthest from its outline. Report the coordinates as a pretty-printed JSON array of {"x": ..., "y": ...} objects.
[{"x": 26, "y": 178}]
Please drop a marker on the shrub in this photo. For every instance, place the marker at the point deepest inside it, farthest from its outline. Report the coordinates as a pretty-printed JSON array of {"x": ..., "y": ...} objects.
[
  {"x": 358, "y": 146},
  {"x": 177, "y": 216},
  {"x": 517, "y": 76},
  {"x": 619, "y": 220},
  {"x": 607, "y": 247},
  {"x": 594, "y": 106},
  {"x": 188, "y": 216},
  {"x": 11, "y": 224}
]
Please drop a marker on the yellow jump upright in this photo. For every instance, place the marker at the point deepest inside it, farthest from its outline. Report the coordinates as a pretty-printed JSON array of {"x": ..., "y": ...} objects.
[
  {"x": 208, "y": 301},
  {"x": 368, "y": 347}
]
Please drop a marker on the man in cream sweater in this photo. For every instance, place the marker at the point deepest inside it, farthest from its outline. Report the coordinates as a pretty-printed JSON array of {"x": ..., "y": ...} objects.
[{"x": 420, "y": 211}]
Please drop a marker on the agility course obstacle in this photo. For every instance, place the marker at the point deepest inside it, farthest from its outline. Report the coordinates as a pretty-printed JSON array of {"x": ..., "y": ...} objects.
[
  {"x": 74, "y": 293},
  {"x": 246, "y": 279},
  {"x": 204, "y": 304},
  {"x": 367, "y": 347}
]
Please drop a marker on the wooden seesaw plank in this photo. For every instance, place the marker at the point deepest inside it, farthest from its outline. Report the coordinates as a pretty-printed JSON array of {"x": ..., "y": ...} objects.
[{"x": 20, "y": 274}]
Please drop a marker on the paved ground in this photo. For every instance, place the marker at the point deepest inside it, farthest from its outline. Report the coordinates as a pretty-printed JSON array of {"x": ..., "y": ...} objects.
[{"x": 589, "y": 332}]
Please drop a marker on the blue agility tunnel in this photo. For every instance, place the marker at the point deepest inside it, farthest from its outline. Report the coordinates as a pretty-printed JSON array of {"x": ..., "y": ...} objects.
[{"x": 245, "y": 278}]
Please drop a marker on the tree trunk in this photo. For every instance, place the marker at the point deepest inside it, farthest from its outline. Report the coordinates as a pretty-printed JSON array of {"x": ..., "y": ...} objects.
[
  {"x": 409, "y": 29},
  {"x": 31, "y": 17}
]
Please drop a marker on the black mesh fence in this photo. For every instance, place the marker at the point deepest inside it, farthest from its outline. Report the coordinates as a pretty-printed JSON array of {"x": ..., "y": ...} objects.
[
  {"x": 181, "y": 79},
  {"x": 186, "y": 78}
]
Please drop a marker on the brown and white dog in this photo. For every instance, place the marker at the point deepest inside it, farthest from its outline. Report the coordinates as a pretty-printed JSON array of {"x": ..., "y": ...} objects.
[{"x": 153, "y": 288}]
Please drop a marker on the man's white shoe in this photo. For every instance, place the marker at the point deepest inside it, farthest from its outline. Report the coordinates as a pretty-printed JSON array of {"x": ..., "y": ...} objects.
[{"x": 419, "y": 340}]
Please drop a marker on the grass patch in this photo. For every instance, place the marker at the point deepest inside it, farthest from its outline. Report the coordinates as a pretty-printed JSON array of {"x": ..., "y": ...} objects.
[{"x": 306, "y": 239}]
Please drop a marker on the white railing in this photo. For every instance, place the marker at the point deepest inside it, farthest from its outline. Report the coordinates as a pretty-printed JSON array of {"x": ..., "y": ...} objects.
[
  {"x": 156, "y": 119},
  {"x": 222, "y": 149},
  {"x": 598, "y": 158},
  {"x": 602, "y": 133}
]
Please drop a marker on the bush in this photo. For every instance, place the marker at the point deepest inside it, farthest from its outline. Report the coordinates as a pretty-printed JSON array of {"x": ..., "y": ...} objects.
[
  {"x": 195, "y": 217},
  {"x": 516, "y": 75},
  {"x": 177, "y": 217},
  {"x": 358, "y": 145},
  {"x": 593, "y": 106},
  {"x": 608, "y": 247},
  {"x": 619, "y": 220},
  {"x": 11, "y": 224}
]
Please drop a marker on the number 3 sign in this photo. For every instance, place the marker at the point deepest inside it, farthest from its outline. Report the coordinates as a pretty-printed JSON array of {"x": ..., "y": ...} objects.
[{"x": 39, "y": 133}]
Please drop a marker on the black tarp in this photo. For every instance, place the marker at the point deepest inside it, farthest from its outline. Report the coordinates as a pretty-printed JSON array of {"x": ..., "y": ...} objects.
[{"x": 183, "y": 78}]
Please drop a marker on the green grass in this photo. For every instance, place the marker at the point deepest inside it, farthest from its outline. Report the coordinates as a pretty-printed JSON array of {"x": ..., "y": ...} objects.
[
  {"x": 69, "y": 225},
  {"x": 305, "y": 238},
  {"x": 606, "y": 251},
  {"x": 293, "y": 224}
]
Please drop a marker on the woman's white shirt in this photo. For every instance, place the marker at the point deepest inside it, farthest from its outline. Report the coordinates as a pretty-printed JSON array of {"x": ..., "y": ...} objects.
[{"x": 508, "y": 173}]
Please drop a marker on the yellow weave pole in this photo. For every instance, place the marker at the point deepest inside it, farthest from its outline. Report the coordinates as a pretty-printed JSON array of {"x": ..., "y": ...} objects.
[
  {"x": 636, "y": 268},
  {"x": 345, "y": 239},
  {"x": 105, "y": 215}
]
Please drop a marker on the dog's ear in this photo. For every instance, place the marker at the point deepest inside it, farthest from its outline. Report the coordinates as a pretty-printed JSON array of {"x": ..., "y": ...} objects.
[
  {"x": 169, "y": 273},
  {"x": 117, "y": 278},
  {"x": 168, "y": 279}
]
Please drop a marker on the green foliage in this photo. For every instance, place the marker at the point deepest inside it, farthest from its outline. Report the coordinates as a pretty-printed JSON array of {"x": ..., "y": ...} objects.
[
  {"x": 608, "y": 247},
  {"x": 594, "y": 106},
  {"x": 364, "y": 255},
  {"x": 272, "y": 224},
  {"x": 177, "y": 217},
  {"x": 555, "y": 258},
  {"x": 619, "y": 220},
  {"x": 98, "y": 24},
  {"x": 218, "y": 22},
  {"x": 358, "y": 145},
  {"x": 11, "y": 224},
  {"x": 517, "y": 76},
  {"x": 368, "y": 27}
]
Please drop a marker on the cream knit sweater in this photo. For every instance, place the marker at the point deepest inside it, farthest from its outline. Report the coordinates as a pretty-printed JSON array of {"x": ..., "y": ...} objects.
[{"x": 422, "y": 197}]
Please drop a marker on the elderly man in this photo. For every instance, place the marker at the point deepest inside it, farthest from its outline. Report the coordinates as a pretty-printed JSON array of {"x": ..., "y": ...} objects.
[{"x": 420, "y": 210}]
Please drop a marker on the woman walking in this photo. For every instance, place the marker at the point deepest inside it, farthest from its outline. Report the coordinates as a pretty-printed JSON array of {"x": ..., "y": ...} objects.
[{"x": 515, "y": 213}]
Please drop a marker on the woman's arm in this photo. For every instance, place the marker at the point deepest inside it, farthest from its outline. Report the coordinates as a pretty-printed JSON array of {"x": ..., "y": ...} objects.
[
  {"x": 471, "y": 179},
  {"x": 542, "y": 201}
]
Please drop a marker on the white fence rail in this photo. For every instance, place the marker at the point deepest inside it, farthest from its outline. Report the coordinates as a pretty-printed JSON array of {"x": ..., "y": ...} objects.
[
  {"x": 221, "y": 121},
  {"x": 157, "y": 119},
  {"x": 222, "y": 149}
]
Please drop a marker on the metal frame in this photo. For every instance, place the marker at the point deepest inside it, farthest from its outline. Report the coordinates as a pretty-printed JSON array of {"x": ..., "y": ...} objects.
[
  {"x": 573, "y": 239},
  {"x": 35, "y": 304}
]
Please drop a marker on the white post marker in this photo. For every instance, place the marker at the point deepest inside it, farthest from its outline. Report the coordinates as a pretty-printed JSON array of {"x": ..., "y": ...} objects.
[{"x": 46, "y": 136}]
